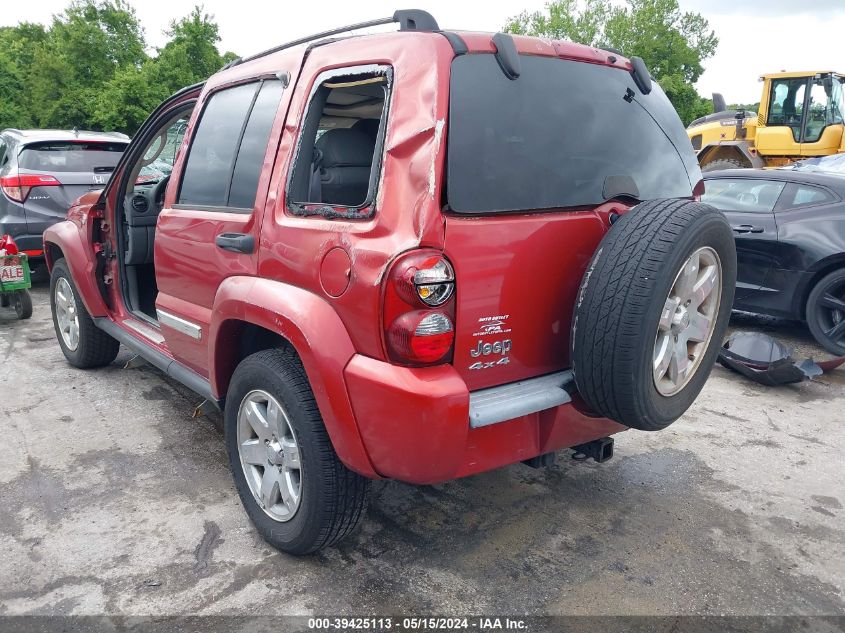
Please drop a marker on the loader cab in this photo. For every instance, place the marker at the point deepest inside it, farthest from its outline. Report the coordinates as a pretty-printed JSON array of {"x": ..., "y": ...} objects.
[{"x": 801, "y": 114}]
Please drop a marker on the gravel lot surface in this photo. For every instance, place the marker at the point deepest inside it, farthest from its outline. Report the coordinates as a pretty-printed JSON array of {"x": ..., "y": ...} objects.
[{"x": 113, "y": 500}]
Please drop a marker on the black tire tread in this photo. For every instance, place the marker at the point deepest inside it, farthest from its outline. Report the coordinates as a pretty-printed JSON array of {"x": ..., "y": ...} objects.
[
  {"x": 96, "y": 348},
  {"x": 811, "y": 308},
  {"x": 724, "y": 163},
  {"x": 609, "y": 315},
  {"x": 23, "y": 304},
  {"x": 344, "y": 505}
]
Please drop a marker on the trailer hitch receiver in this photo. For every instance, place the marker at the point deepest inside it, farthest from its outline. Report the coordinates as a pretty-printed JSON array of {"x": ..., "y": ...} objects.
[{"x": 600, "y": 450}]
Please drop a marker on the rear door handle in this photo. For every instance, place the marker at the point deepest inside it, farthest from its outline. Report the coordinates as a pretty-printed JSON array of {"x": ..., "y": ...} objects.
[
  {"x": 747, "y": 228},
  {"x": 235, "y": 242}
]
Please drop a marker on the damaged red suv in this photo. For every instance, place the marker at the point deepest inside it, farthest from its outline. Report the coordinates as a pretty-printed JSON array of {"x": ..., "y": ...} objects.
[{"x": 415, "y": 255}]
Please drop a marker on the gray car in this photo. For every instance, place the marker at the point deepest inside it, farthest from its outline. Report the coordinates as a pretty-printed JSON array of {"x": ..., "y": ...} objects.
[{"x": 43, "y": 171}]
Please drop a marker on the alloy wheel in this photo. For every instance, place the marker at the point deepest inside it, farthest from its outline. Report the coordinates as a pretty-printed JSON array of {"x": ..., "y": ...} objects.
[
  {"x": 687, "y": 321},
  {"x": 831, "y": 313},
  {"x": 66, "y": 314},
  {"x": 269, "y": 454}
]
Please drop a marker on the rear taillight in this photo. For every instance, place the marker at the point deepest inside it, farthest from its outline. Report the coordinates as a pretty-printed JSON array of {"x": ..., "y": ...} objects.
[
  {"x": 17, "y": 187},
  {"x": 419, "y": 309}
]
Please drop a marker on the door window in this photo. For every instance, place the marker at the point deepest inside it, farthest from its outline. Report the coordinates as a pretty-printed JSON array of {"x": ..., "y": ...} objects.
[
  {"x": 742, "y": 194},
  {"x": 786, "y": 104},
  {"x": 227, "y": 151},
  {"x": 800, "y": 195},
  {"x": 824, "y": 108},
  {"x": 160, "y": 154},
  {"x": 253, "y": 146},
  {"x": 337, "y": 164}
]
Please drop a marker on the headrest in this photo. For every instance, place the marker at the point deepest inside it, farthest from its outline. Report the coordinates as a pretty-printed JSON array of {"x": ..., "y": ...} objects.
[
  {"x": 345, "y": 147},
  {"x": 368, "y": 126}
]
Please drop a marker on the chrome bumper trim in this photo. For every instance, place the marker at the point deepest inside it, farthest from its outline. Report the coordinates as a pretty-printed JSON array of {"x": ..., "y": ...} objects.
[{"x": 506, "y": 402}]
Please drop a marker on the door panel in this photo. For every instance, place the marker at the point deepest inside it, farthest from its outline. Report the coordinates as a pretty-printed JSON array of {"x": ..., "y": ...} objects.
[
  {"x": 235, "y": 131},
  {"x": 748, "y": 204}
]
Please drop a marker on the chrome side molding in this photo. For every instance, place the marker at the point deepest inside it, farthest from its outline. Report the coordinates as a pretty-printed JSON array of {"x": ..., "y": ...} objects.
[{"x": 179, "y": 324}]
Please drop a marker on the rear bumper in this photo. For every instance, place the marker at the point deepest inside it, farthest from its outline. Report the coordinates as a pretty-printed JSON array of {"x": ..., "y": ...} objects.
[{"x": 423, "y": 426}]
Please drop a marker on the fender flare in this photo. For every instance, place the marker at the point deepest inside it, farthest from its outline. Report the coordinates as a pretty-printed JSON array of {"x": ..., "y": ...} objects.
[
  {"x": 81, "y": 262},
  {"x": 311, "y": 325},
  {"x": 742, "y": 148}
]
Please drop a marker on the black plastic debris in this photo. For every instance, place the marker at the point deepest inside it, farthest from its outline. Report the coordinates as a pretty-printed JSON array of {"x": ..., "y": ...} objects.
[{"x": 766, "y": 360}]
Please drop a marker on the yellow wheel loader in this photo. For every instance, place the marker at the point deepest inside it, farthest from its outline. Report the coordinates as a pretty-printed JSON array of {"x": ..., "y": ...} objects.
[{"x": 801, "y": 116}]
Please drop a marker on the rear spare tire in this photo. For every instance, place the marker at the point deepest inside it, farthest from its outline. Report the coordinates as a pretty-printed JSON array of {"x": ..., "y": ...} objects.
[{"x": 652, "y": 312}]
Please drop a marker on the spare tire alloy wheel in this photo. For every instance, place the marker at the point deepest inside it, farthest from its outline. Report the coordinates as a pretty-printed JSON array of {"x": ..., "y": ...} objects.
[
  {"x": 687, "y": 321},
  {"x": 652, "y": 311},
  {"x": 269, "y": 455}
]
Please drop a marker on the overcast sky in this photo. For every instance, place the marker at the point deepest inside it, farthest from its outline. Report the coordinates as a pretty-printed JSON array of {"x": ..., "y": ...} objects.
[{"x": 756, "y": 36}]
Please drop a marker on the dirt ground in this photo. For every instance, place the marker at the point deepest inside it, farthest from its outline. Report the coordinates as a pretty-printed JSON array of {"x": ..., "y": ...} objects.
[{"x": 113, "y": 500}]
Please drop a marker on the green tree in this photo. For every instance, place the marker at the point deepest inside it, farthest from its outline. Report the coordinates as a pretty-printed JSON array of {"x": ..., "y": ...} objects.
[
  {"x": 190, "y": 56},
  {"x": 85, "y": 47},
  {"x": 672, "y": 43},
  {"x": 90, "y": 68},
  {"x": 19, "y": 46}
]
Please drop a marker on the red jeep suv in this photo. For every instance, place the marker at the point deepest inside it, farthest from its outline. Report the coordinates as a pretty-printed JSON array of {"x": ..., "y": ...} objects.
[{"x": 415, "y": 255}]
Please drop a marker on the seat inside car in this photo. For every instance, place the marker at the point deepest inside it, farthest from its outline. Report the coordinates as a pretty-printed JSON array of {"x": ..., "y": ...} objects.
[{"x": 346, "y": 156}]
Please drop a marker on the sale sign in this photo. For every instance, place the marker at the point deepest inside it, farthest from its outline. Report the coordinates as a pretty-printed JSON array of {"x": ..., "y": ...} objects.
[{"x": 10, "y": 274}]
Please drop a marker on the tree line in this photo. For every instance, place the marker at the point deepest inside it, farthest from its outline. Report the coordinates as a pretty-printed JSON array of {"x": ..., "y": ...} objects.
[{"x": 90, "y": 67}]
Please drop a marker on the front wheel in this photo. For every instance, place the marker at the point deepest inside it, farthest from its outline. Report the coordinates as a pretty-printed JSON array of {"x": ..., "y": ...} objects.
[
  {"x": 83, "y": 343},
  {"x": 826, "y": 312},
  {"x": 296, "y": 491},
  {"x": 652, "y": 312}
]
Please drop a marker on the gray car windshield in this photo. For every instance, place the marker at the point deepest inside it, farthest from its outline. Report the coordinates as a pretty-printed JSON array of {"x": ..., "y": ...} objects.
[{"x": 557, "y": 135}]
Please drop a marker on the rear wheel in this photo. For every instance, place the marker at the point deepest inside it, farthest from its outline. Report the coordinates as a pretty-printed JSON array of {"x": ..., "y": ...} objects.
[
  {"x": 293, "y": 486},
  {"x": 826, "y": 312},
  {"x": 723, "y": 163},
  {"x": 23, "y": 304},
  {"x": 83, "y": 343},
  {"x": 652, "y": 312}
]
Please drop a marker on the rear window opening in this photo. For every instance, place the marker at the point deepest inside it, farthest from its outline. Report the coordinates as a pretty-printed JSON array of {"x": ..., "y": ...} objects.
[
  {"x": 336, "y": 167},
  {"x": 72, "y": 156},
  {"x": 563, "y": 134}
]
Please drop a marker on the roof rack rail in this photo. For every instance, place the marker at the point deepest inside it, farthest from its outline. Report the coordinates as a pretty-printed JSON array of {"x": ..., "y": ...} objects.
[{"x": 408, "y": 20}]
